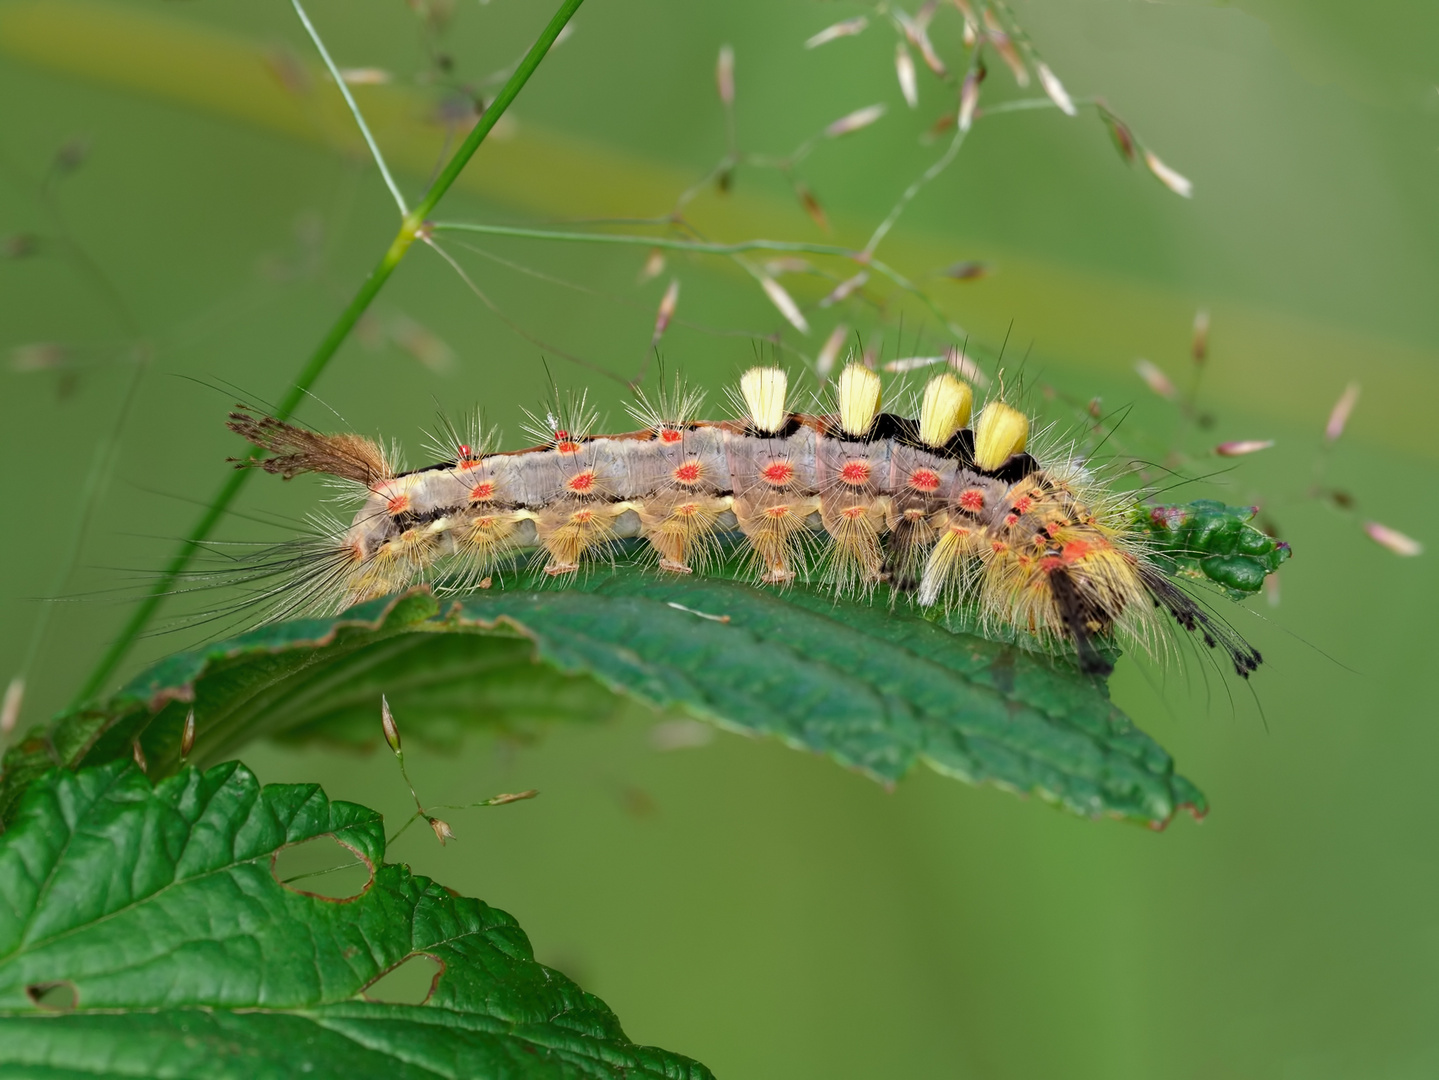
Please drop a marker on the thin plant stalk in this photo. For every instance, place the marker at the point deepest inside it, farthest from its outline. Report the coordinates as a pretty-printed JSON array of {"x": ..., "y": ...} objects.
[{"x": 410, "y": 226}]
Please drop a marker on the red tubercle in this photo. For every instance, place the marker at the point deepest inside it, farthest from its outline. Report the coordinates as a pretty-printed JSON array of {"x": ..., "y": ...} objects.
[
  {"x": 855, "y": 473},
  {"x": 565, "y": 446},
  {"x": 397, "y": 504},
  {"x": 776, "y": 512},
  {"x": 582, "y": 483},
  {"x": 582, "y": 517},
  {"x": 999, "y": 546},
  {"x": 671, "y": 435},
  {"x": 925, "y": 480},
  {"x": 1023, "y": 504},
  {"x": 972, "y": 500},
  {"x": 688, "y": 472},
  {"x": 483, "y": 491},
  {"x": 852, "y": 513},
  {"x": 777, "y": 473},
  {"x": 1075, "y": 550},
  {"x": 1011, "y": 520}
]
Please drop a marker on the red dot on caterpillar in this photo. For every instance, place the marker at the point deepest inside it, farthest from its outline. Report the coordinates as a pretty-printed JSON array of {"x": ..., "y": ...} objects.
[
  {"x": 777, "y": 473},
  {"x": 855, "y": 472},
  {"x": 670, "y": 435},
  {"x": 688, "y": 473},
  {"x": 924, "y": 480},
  {"x": 582, "y": 482},
  {"x": 972, "y": 500}
]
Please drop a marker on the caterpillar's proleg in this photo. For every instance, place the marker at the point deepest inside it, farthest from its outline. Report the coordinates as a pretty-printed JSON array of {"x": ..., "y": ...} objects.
[{"x": 959, "y": 516}]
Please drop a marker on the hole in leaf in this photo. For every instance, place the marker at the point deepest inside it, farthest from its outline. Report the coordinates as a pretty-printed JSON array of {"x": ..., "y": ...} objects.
[
  {"x": 54, "y": 996},
  {"x": 322, "y": 867},
  {"x": 411, "y": 983}
]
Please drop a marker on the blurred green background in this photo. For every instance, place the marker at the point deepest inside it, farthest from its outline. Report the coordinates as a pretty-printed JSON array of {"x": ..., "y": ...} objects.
[{"x": 761, "y": 910}]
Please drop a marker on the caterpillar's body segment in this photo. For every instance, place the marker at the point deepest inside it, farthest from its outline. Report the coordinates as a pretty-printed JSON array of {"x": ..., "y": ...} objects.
[{"x": 857, "y": 499}]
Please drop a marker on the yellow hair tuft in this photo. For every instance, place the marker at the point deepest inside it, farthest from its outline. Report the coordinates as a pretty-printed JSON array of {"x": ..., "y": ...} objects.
[
  {"x": 1000, "y": 432},
  {"x": 944, "y": 410},
  {"x": 763, "y": 389}
]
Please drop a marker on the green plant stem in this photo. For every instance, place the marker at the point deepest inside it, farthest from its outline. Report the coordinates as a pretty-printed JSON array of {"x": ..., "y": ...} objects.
[{"x": 410, "y": 225}]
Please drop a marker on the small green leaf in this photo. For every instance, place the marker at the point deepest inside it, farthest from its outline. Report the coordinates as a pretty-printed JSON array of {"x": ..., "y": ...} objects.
[
  {"x": 1207, "y": 539},
  {"x": 143, "y": 933},
  {"x": 876, "y": 689}
]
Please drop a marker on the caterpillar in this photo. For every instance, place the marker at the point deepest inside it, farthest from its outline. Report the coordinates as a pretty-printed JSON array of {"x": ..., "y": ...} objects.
[{"x": 931, "y": 507}]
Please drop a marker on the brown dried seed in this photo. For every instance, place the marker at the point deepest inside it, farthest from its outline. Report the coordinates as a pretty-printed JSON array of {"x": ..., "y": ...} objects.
[
  {"x": 1393, "y": 539},
  {"x": 851, "y": 122},
  {"x": 10, "y": 709},
  {"x": 1199, "y": 345},
  {"x": 724, "y": 75},
  {"x": 666, "y": 311},
  {"x": 1174, "y": 181},
  {"x": 1240, "y": 447},
  {"x": 1339, "y": 415},
  {"x": 845, "y": 289},
  {"x": 442, "y": 829},
  {"x": 904, "y": 70},
  {"x": 1155, "y": 379},
  {"x": 387, "y": 723},
  {"x": 848, "y": 28}
]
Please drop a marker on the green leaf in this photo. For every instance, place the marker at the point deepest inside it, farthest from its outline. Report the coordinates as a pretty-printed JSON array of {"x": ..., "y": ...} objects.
[
  {"x": 152, "y": 916},
  {"x": 876, "y": 689},
  {"x": 1207, "y": 539}
]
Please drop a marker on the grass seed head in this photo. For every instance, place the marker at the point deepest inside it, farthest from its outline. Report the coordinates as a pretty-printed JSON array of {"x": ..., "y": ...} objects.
[
  {"x": 1393, "y": 539},
  {"x": 1339, "y": 415},
  {"x": 848, "y": 28}
]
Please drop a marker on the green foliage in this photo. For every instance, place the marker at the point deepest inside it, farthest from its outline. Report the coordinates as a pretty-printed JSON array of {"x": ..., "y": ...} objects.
[
  {"x": 1206, "y": 539},
  {"x": 877, "y": 689},
  {"x": 143, "y": 933}
]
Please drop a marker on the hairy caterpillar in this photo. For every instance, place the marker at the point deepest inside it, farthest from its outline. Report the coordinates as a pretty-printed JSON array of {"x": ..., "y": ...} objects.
[{"x": 857, "y": 498}]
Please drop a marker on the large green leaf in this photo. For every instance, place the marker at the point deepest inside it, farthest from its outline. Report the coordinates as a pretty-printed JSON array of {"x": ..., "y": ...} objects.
[
  {"x": 152, "y": 915},
  {"x": 875, "y": 688}
]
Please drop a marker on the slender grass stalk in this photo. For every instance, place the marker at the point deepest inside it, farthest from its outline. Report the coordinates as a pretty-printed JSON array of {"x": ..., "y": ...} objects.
[
  {"x": 339, "y": 78},
  {"x": 701, "y": 247},
  {"x": 410, "y": 225}
]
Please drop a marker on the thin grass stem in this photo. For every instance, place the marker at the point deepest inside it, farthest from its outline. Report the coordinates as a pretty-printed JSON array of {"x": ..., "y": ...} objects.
[
  {"x": 410, "y": 227},
  {"x": 353, "y": 107}
]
